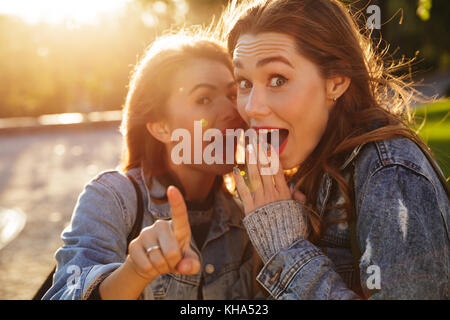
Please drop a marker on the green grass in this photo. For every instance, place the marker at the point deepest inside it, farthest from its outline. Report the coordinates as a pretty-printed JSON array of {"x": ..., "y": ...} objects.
[{"x": 436, "y": 130}]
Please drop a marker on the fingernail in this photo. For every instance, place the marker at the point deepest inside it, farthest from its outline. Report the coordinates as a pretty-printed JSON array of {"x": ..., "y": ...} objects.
[
  {"x": 187, "y": 267},
  {"x": 236, "y": 171}
]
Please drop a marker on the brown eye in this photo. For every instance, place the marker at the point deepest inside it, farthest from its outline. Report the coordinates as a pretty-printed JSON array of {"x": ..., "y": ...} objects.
[
  {"x": 244, "y": 84},
  {"x": 203, "y": 100},
  {"x": 277, "y": 81}
]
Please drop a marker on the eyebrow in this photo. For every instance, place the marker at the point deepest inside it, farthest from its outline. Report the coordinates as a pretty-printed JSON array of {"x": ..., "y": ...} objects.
[
  {"x": 209, "y": 86},
  {"x": 263, "y": 62}
]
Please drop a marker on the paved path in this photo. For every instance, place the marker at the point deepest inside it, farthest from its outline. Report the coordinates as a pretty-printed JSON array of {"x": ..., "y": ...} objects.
[{"x": 42, "y": 174}]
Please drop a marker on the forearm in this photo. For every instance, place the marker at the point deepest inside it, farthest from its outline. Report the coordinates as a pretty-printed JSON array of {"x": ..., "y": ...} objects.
[
  {"x": 303, "y": 272},
  {"x": 293, "y": 267},
  {"x": 124, "y": 283},
  {"x": 276, "y": 226}
]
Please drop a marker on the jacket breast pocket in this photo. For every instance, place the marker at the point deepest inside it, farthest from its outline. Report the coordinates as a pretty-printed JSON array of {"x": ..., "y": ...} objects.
[{"x": 160, "y": 286}]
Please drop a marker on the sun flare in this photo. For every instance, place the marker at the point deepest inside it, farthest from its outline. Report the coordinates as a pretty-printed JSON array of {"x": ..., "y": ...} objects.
[{"x": 59, "y": 11}]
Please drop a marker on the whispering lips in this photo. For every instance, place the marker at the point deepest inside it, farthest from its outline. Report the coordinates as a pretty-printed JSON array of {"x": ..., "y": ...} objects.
[{"x": 283, "y": 136}]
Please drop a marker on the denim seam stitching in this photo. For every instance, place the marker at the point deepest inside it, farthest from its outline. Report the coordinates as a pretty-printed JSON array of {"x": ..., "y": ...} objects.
[
  {"x": 365, "y": 185},
  {"x": 400, "y": 164},
  {"x": 120, "y": 203},
  {"x": 306, "y": 256},
  {"x": 161, "y": 293},
  {"x": 383, "y": 152},
  {"x": 183, "y": 280},
  {"x": 293, "y": 270}
]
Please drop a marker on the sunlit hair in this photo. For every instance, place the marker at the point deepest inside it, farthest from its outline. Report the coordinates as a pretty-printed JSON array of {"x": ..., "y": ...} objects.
[
  {"x": 376, "y": 104},
  {"x": 150, "y": 88}
]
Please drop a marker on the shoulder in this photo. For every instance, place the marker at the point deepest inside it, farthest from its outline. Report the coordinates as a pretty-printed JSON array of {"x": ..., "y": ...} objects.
[
  {"x": 116, "y": 181},
  {"x": 397, "y": 166},
  {"x": 397, "y": 192},
  {"x": 115, "y": 190},
  {"x": 378, "y": 155}
]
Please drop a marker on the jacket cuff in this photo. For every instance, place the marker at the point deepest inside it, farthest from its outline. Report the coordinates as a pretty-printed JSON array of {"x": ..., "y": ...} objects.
[
  {"x": 278, "y": 273},
  {"x": 95, "y": 276},
  {"x": 276, "y": 226}
]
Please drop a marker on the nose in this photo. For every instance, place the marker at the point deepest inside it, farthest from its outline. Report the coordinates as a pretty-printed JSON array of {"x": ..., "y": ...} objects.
[{"x": 256, "y": 106}]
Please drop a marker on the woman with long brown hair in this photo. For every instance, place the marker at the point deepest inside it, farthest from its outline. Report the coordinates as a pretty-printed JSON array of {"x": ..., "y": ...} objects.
[
  {"x": 191, "y": 243},
  {"x": 376, "y": 202}
]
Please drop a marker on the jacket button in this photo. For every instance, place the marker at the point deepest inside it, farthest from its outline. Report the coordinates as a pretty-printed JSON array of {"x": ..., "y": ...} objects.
[{"x": 209, "y": 268}]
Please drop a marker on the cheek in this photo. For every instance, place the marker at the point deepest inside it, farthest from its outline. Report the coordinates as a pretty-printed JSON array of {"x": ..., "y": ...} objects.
[
  {"x": 293, "y": 105},
  {"x": 186, "y": 117},
  {"x": 318, "y": 111},
  {"x": 305, "y": 107}
]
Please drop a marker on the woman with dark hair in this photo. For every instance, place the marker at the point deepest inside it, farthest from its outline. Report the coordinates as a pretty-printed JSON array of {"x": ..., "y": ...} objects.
[
  {"x": 376, "y": 203},
  {"x": 196, "y": 249}
]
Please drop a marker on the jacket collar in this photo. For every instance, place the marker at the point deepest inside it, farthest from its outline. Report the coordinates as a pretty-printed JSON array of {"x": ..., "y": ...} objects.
[
  {"x": 352, "y": 156},
  {"x": 326, "y": 183}
]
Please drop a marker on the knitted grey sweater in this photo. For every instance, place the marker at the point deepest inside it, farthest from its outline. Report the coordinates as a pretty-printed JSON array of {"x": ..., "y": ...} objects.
[{"x": 275, "y": 226}]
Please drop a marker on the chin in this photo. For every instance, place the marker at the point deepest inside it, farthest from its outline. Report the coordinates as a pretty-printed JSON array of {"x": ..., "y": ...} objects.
[{"x": 289, "y": 163}]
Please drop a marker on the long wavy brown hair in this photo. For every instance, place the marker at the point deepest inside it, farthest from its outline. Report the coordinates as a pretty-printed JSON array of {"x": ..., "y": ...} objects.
[
  {"x": 149, "y": 90},
  {"x": 327, "y": 34}
]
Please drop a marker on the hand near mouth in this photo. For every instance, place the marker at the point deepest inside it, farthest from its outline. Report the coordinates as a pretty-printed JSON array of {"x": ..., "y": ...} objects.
[{"x": 263, "y": 189}]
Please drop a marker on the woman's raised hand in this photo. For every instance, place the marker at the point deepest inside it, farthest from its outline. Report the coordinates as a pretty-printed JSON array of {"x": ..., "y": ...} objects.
[
  {"x": 263, "y": 188},
  {"x": 164, "y": 247}
]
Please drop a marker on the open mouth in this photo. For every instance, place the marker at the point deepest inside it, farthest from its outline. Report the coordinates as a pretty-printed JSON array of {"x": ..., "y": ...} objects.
[
  {"x": 229, "y": 141},
  {"x": 232, "y": 149},
  {"x": 283, "y": 135}
]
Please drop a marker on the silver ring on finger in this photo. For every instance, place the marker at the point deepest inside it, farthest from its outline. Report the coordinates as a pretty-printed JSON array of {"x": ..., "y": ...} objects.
[{"x": 150, "y": 249}]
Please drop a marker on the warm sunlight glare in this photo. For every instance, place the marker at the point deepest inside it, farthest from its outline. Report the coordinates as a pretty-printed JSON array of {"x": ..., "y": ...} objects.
[
  {"x": 63, "y": 118},
  {"x": 58, "y": 11}
]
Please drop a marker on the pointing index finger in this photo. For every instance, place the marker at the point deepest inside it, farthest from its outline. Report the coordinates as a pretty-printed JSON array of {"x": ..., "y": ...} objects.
[{"x": 179, "y": 213}]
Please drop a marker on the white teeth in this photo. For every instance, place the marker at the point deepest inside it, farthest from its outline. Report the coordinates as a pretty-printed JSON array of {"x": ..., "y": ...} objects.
[{"x": 269, "y": 130}]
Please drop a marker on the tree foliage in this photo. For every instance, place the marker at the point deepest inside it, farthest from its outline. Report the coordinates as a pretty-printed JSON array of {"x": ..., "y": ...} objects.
[{"x": 49, "y": 68}]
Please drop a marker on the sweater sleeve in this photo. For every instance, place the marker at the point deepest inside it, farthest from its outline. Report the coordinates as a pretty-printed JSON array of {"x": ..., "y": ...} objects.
[{"x": 276, "y": 226}]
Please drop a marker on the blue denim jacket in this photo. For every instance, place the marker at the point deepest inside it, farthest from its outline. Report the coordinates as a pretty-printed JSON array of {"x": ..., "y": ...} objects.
[
  {"x": 95, "y": 244},
  {"x": 402, "y": 231}
]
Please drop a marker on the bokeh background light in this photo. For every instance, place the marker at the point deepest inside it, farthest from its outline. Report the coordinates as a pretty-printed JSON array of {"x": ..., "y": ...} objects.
[{"x": 59, "y": 11}]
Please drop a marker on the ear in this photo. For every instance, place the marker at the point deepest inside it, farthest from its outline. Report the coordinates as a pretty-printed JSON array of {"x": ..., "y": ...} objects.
[
  {"x": 159, "y": 130},
  {"x": 336, "y": 87}
]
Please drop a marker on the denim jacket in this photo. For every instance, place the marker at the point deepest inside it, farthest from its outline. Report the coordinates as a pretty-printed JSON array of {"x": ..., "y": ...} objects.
[
  {"x": 402, "y": 231},
  {"x": 95, "y": 244}
]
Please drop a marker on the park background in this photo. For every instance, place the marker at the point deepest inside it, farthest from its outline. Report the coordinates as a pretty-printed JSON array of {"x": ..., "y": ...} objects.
[{"x": 64, "y": 69}]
